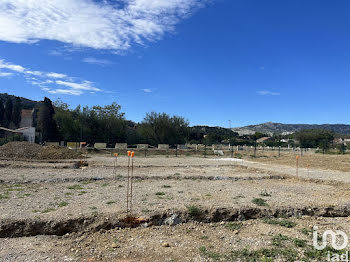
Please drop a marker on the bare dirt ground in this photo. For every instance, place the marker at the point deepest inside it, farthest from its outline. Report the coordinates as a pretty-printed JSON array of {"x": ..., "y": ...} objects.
[
  {"x": 308, "y": 160},
  {"x": 193, "y": 209}
]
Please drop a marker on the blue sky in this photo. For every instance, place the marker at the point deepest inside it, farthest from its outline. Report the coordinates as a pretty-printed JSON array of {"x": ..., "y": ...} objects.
[{"x": 248, "y": 61}]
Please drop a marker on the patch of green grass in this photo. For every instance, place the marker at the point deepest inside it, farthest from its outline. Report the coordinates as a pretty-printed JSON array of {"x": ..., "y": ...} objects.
[
  {"x": 177, "y": 174},
  {"x": 238, "y": 197},
  {"x": 27, "y": 195},
  {"x": 264, "y": 254},
  {"x": 86, "y": 182},
  {"x": 62, "y": 204},
  {"x": 82, "y": 193},
  {"x": 5, "y": 196},
  {"x": 68, "y": 194},
  {"x": 234, "y": 225},
  {"x": 265, "y": 194},
  {"x": 75, "y": 187},
  {"x": 259, "y": 202},
  {"x": 105, "y": 184},
  {"x": 166, "y": 186},
  {"x": 277, "y": 240},
  {"x": 299, "y": 242},
  {"x": 48, "y": 210},
  {"x": 193, "y": 210},
  {"x": 93, "y": 208},
  {"x": 283, "y": 223},
  {"x": 204, "y": 237},
  {"x": 209, "y": 254},
  {"x": 160, "y": 194},
  {"x": 320, "y": 255},
  {"x": 11, "y": 189},
  {"x": 110, "y": 202},
  {"x": 306, "y": 231}
]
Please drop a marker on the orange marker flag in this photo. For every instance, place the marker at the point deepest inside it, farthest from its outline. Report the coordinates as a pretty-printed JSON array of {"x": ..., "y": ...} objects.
[
  {"x": 115, "y": 154},
  {"x": 132, "y": 154},
  {"x": 129, "y": 153}
]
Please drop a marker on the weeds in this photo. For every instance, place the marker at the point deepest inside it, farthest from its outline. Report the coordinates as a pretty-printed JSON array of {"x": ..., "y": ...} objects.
[
  {"x": 277, "y": 240},
  {"x": 193, "y": 210},
  {"x": 62, "y": 204},
  {"x": 75, "y": 187},
  {"x": 259, "y": 202},
  {"x": 283, "y": 223},
  {"x": 234, "y": 225}
]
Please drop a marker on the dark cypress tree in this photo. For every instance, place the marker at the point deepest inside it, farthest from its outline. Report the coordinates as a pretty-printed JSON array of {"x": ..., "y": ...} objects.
[
  {"x": 16, "y": 115},
  {"x": 46, "y": 123},
  {"x": 8, "y": 112},
  {"x": 2, "y": 112}
]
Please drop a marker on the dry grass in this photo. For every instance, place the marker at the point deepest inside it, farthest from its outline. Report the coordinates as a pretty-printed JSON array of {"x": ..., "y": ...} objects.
[{"x": 309, "y": 160}]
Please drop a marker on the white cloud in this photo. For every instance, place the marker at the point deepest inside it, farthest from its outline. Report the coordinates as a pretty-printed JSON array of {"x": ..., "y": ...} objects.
[
  {"x": 5, "y": 74},
  {"x": 268, "y": 93},
  {"x": 86, "y": 85},
  {"x": 66, "y": 92},
  {"x": 106, "y": 24},
  {"x": 35, "y": 73},
  {"x": 72, "y": 85},
  {"x": 56, "y": 75},
  {"x": 95, "y": 61},
  {"x": 147, "y": 90},
  {"x": 10, "y": 66}
]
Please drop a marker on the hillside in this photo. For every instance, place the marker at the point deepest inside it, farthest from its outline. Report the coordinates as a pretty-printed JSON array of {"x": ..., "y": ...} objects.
[
  {"x": 270, "y": 128},
  {"x": 26, "y": 103}
]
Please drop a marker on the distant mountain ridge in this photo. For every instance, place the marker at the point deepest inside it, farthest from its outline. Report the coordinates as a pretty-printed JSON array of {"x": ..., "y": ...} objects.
[{"x": 284, "y": 129}]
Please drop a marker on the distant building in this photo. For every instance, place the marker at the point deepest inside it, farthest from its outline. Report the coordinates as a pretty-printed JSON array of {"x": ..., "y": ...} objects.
[
  {"x": 27, "y": 132},
  {"x": 345, "y": 141},
  {"x": 27, "y": 118}
]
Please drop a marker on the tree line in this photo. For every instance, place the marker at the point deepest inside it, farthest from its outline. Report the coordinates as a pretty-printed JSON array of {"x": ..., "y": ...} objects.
[
  {"x": 10, "y": 114},
  {"x": 58, "y": 122}
]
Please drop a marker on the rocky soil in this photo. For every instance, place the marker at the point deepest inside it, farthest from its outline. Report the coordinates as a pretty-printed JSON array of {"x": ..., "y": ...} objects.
[{"x": 192, "y": 209}]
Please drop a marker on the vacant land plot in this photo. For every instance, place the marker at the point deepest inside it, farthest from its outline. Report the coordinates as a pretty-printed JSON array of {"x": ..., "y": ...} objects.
[
  {"x": 307, "y": 160},
  {"x": 191, "y": 209}
]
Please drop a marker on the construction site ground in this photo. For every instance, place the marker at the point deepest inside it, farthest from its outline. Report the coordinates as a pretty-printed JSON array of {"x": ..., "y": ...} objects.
[{"x": 190, "y": 208}]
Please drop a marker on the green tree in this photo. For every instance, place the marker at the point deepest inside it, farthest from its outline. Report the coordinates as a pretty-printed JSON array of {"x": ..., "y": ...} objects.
[
  {"x": 16, "y": 115},
  {"x": 96, "y": 124},
  {"x": 312, "y": 138},
  {"x": 8, "y": 112},
  {"x": 160, "y": 128},
  {"x": 46, "y": 123},
  {"x": 2, "y": 112}
]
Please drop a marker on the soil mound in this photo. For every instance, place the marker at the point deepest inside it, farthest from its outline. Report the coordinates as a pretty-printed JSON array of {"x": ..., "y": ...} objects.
[
  {"x": 25, "y": 150},
  {"x": 57, "y": 152}
]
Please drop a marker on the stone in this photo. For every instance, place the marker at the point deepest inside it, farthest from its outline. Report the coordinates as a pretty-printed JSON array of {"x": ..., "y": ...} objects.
[
  {"x": 165, "y": 244},
  {"x": 173, "y": 220},
  {"x": 115, "y": 245}
]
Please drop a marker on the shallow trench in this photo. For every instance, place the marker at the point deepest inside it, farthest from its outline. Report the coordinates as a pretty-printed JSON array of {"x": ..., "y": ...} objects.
[
  {"x": 32, "y": 227},
  {"x": 142, "y": 178}
]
